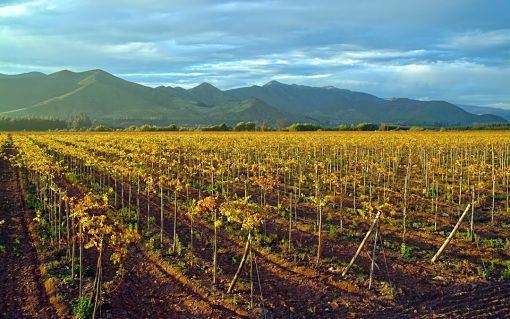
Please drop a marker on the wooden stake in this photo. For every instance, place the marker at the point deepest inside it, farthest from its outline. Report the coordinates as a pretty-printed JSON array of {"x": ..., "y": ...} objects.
[
  {"x": 241, "y": 264},
  {"x": 436, "y": 256},
  {"x": 374, "y": 222}
]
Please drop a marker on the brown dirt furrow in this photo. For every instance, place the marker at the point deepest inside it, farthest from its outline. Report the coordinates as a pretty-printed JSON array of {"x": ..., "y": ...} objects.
[
  {"x": 148, "y": 291},
  {"x": 489, "y": 300},
  {"x": 22, "y": 294}
]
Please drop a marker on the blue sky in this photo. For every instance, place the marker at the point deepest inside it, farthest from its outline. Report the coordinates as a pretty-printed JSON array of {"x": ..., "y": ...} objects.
[{"x": 456, "y": 50}]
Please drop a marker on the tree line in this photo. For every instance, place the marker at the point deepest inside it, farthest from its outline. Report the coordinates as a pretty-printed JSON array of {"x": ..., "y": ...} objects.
[
  {"x": 31, "y": 123},
  {"x": 82, "y": 122}
]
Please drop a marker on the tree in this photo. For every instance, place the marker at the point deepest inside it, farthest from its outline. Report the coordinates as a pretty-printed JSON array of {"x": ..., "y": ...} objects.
[
  {"x": 80, "y": 121},
  {"x": 217, "y": 128},
  {"x": 388, "y": 127},
  {"x": 102, "y": 128},
  {"x": 344, "y": 127},
  {"x": 147, "y": 128},
  {"x": 245, "y": 126},
  {"x": 303, "y": 127},
  {"x": 171, "y": 127},
  {"x": 367, "y": 127}
]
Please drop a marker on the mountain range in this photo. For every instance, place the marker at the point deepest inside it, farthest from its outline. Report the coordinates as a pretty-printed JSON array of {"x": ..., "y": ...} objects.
[
  {"x": 504, "y": 113},
  {"x": 110, "y": 99}
]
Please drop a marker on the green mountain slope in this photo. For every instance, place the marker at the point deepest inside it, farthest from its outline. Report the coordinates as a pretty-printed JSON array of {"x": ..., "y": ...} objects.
[
  {"x": 480, "y": 110},
  {"x": 322, "y": 103},
  {"x": 332, "y": 106},
  {"x": 205, "y": 93},
  {"x": 105, "y": 97},
  {"x": 433, "y": 112},
  {"x": 209, "y": 94},
  {"x": 22, "y": 75},
  {"x": 22, "y": 91},
  {"x": 253, "y": 109},
  {"x": 97, "y": 93}
]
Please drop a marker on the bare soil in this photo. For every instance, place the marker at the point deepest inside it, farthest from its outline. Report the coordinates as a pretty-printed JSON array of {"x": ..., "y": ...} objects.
[{"x": 22, "y": 294}]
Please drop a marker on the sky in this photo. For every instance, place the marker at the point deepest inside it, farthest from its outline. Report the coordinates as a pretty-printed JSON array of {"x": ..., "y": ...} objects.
[{"x": 454, "y": 50}]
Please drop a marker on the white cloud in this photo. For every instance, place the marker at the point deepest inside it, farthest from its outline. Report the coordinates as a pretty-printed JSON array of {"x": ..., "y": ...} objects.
[
  {"x": 478, "y": 39},
  {"x": 139, "y": 49},
  {"x": 385, "y": 54},
  {"x": 241, "y": 6},
  {"x": 24, "y": 8},
  {"x": 247, "y": 65},
  {"x": 299, "y": 77},
  {"x": 164, "y": 74},
  {"x": 183, "y": 84}
]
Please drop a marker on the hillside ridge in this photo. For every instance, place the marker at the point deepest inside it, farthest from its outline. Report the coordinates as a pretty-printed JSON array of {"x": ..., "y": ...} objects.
[{"x": 103, "y": 96}]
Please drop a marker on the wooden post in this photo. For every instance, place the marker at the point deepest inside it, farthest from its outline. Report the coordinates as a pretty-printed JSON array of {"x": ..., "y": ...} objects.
[
  {"x": 374, "y": 222},
  {"x": 436, "y": 256},
  {"x": 241, "y": 264},
  {"x": 373, "y": 259},
  {"x": 161, "y": 213}
]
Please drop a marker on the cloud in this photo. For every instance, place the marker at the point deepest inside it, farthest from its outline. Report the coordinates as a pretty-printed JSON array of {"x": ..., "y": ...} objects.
[
  {"x": 24, "y": 8},
  {"x": 134, "y": 49},
  {"x": 236, "y": 6},
  {"x": 385, "y": 47},
  {"x": 479, "y": 40}
]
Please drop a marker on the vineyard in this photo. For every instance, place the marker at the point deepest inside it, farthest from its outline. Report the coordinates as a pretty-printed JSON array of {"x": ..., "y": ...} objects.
[{"x": 255, "y": 225}]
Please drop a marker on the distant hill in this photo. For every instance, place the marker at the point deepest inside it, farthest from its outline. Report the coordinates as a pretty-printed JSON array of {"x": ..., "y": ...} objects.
[
  {"x": 314, "y": 101},
  {"x": 22, "y": 75},
  {"x": 107, "y": 98},
  {"x": 209, "y": 94},
  {"x": 486, "y": 110},
  {"x": 97, "y": 93},
  {"x": 253, "y": 109},
  {"x": 332, "y": 106}
]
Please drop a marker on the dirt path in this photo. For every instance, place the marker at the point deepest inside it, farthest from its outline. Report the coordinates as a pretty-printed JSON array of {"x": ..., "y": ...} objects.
[
  {"x": 22, "y": 294},
  {"x": 487, "y": 300},
  {"x": 148, "y": 291}
]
